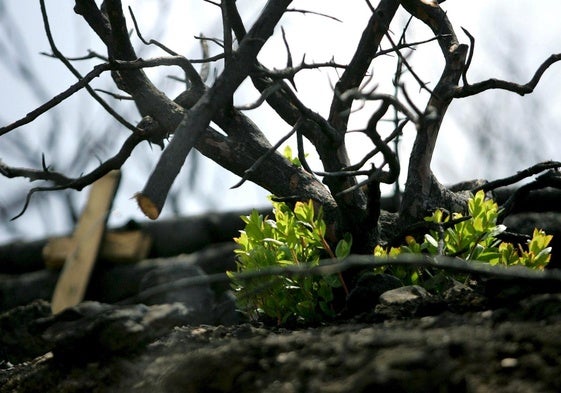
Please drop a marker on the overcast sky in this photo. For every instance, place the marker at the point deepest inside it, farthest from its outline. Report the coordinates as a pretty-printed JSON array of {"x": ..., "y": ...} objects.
[{"x": 512, "y": 39}]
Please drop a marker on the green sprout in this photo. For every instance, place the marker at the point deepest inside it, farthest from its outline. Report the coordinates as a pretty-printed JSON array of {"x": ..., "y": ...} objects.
[
  {"x": 474, "y": 237},
  {"x": 294, "y": 237}
]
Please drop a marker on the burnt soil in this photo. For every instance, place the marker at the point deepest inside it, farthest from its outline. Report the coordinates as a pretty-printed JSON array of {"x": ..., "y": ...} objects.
[{"x": 468, "y": 345}]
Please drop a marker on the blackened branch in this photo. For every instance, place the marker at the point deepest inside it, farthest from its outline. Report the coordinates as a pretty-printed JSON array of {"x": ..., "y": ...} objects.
[
  {"x": 404, "y": 61},
  {"x": 193, "y": 125},
  {"x": 262, "y": 98},
  {"x": 357, "y": 94},
  {"x": 396, "y": 133},
  {"x": 521, "y": 175},
  {"x": 152, "y": 41},
  {"x": 62, "y": 182},
  {"x": 469, "y": 57},
  {"x": 551, "y": 178},
  {"x": 406, "y": 45},
  {"x": 75, "y": 72},
  {"x": 84, "y": 81},
  {"x": 476, "y": 88},
  {"x": 389, "y": 156},
  {"x": 291, "y": 71}
]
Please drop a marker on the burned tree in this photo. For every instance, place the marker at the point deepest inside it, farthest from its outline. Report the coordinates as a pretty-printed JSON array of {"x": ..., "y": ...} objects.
[{"x": 348, "y": 188}]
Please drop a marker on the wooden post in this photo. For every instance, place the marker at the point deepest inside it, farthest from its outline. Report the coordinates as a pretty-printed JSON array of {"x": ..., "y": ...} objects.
[
  {"x": 117, "y": 247},
  {"x": 75, "y": 275}
]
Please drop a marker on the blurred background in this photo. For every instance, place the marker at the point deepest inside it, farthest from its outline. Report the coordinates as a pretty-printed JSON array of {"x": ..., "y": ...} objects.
[{"x": 491, "y": 135}]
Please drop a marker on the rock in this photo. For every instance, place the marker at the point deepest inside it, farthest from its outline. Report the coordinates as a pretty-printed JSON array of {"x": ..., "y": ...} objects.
[
  {"x": 501, "y": 291},
  {"x": 408, "y": 301},
  {"x": 404, "y": 295},
  {"x": 94, "y": 330},
  {"x": 18, "y": 341},
  {"x": 226, "y": 311},
  {"x": 461, "y": 298}
]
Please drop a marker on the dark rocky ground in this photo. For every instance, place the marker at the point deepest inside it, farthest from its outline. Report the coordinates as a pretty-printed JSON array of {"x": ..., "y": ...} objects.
[
  {"x": 148, "y": 328},
  {"x": 411, "y": 341}
]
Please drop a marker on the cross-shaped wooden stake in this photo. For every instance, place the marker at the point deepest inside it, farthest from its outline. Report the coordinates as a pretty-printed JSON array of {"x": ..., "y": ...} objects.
[{"x": 86, "y": 240}]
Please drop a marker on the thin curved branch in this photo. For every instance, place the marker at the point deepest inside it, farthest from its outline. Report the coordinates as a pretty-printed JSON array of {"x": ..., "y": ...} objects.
[
  {"x": 290, "y": 71},
  {"x": 522, "y": 89},
  {"x": 344, "y": 173},
  {"x": 313, "y": 13},
  {"x": 361, "y": 262},
  {"x": 63, "y": 182},
  {"x": 217, "y": 41},
  {"x": 357, "y": 94},
  {"x": 84, "y": 81},
  {"x": 152, "y": 41},
  {"x": 288, "y": 58},
  {"x": 209, "y": 59},
  {"x": 390, "y": 157},
  {"x": 91, "y": 55},
  {"x": 405, "y": 45},
  {"x": 551, "y": 178},
  {"x": 401, "y": 87},
  {"x": 469, "y": 57},
  {"x": 75, "y": 72},
  {"x": 262, "y": 98},
  {"x": 301, "y": 152},
  {"x": 396, "y": 133},
  {"x": 521, "y": 175}
]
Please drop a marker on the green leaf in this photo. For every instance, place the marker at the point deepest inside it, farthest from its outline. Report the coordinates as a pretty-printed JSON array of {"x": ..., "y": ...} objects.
[
  {"x": 287, "y": 153},
  {"x": 343, "y": 248},
  {"x": 431, "y": 240}
]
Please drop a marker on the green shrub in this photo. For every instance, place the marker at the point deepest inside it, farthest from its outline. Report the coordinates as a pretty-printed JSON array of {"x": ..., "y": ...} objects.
[
  {"x": 297, "y": 238},
  {"x": 294, "y": 237},
  {"x": 474, "y": 237}
]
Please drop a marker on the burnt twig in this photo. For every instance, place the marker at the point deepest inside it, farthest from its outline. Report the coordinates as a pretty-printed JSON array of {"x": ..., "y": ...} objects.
[
  {"x": 522, "y": 89},
  {"x": 75, "y": 72},
  {"x": 521, "y": 175},
  {"x": 63, "y": 182}
]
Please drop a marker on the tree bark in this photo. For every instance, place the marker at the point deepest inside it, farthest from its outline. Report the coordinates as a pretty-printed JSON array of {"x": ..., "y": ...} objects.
[{"x": 422, "y": 191}]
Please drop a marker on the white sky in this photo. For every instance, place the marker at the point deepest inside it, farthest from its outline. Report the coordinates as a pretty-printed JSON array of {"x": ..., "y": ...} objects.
[{"x": 504, "y": 29}]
